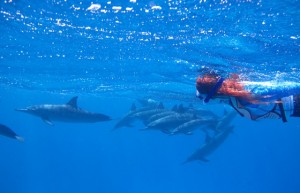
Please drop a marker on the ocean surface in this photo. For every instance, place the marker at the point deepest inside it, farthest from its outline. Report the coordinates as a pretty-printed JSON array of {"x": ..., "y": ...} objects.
[{"x": 113, "y": 53}]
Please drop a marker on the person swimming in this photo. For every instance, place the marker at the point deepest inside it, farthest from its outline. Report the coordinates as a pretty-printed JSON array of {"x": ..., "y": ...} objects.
[{"x": 254, "y": 100}]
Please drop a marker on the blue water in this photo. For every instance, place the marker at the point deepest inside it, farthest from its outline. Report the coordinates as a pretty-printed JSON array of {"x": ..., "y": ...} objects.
[{"x": 113, "y": 54}]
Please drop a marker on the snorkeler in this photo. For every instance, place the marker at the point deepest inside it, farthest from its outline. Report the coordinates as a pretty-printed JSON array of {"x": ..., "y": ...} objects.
[{"x": 254, "y": 100}]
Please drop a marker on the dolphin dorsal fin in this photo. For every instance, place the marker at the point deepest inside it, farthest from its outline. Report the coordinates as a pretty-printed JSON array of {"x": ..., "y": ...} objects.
[
  {"x": 195, "y": 116},
  {"x": 160, "y": 106},
  {"x": 180, "y": 109},
  {"x": 225, "y": 112},
  {"x": 174, "y": 108},
  {"x": 73, "y": 102},
  {"x": 133, "y": 107}
]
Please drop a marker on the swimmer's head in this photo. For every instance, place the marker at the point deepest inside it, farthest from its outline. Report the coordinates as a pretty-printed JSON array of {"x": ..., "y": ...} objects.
[{"x": 205, "y": 83}]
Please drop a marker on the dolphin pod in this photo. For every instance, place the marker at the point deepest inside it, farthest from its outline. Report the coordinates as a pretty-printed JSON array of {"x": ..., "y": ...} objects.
[
  {"x": 176, "y": 120},
  {"x": 154, "y": 116},
  {"x": 183, "y": 120},
  {"x": 142, "y": 114}
]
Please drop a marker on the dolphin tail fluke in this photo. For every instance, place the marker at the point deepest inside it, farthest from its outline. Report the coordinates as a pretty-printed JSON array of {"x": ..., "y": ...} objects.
[
  {"x": 46, "y": 120},
  {"x": 118, "y": 126},
  {"x": 185, "y": 162},
  {"x": 21, "y": 139},
  {"x": 204, "y": 159},
  {"x": 188, "y": 160},
  {"x": 166, "y": 131},
  {"x": 114, "y": 129}
]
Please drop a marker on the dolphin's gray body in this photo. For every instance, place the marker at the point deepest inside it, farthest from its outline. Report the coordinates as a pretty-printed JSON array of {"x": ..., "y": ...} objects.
[
  {"x": 68, "y": 112},
  {"x": 6, "y": 131},
  {"x": 135, "y": 114},
  {"x": 144, "y": 116},
  {"x": 168, "y": 122},
  {"x": 189, "y": 126},
  {"x": 159, "y": 116},
  {"x": 210, "y": 145}
]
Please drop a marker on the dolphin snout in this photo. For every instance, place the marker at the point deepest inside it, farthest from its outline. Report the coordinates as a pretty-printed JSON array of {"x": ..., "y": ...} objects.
[{"x": 21, "y": 110}]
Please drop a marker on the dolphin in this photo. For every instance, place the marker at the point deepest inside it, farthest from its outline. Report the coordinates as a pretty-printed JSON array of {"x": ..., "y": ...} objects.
[
  {"x": 166, "y": 123},
  {"x": 68, "y": 112},
  {"x": 189, "y": 126},
  {"x": 6, "y": 131},
  {"x": 132, "y": 115},
  {"x": 159, "y": 116},
  {"x": 162, "y": 114},
  {"x": 210, "y": 145}
]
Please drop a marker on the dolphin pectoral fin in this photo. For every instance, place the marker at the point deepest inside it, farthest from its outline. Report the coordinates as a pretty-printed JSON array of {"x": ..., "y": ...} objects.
[
  {"x": 46, "y": 120},
  {"x": 189, "y": 133},
  {"x": 166, "y": 131}
]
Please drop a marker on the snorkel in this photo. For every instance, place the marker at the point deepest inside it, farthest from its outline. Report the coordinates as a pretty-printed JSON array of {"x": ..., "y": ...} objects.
[
  {"x": 208, "y": 87},
  {"x": 214, "y": 90}
]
